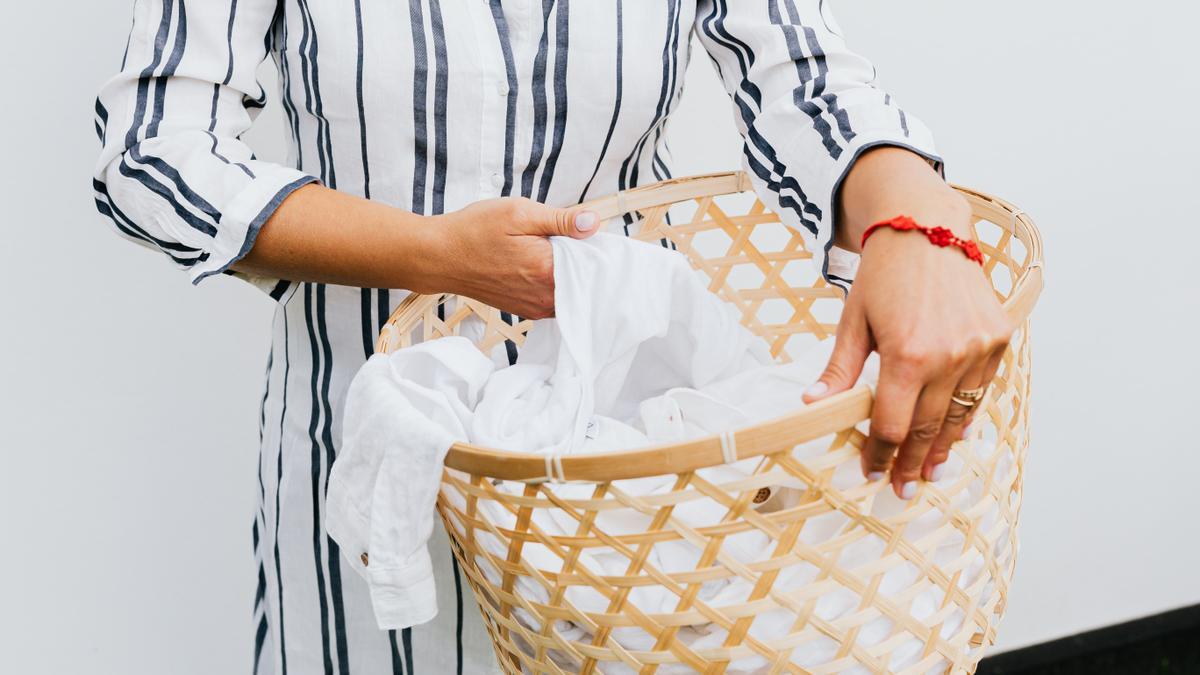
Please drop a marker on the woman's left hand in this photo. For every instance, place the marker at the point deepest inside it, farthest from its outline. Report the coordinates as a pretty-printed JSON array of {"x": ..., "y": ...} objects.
[{"x": 936, "y": 323}]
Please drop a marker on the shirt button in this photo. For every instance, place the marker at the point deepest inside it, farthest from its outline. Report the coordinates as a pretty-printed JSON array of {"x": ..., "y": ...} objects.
[
  {"x": 502, "y": 88},
  {"x": 497, "y": 180},
  {"x": 365, "y": 560}
]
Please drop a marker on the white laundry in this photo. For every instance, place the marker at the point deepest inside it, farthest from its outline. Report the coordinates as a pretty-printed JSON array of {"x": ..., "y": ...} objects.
[{"x": 640, "y": 353}]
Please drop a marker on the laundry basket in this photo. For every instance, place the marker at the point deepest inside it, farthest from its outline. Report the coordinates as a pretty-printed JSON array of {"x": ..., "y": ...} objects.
[{"x": 887, "y": 587}]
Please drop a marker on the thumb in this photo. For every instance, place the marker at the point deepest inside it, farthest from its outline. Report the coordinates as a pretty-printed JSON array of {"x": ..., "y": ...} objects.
[
  {"x": 850, "y": 352},
  {"x": 575, "y": 223}
]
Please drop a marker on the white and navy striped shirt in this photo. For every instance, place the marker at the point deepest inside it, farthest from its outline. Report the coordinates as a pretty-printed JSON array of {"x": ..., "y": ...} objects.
[{"x": 429, "y": 105}]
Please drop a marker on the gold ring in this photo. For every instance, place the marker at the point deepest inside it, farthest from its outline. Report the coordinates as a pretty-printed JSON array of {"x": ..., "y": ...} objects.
[{"x": 968, "y": 397}]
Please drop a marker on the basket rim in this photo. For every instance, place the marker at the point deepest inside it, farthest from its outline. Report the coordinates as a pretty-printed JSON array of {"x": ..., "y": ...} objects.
[{"x": 827, "y": 416}]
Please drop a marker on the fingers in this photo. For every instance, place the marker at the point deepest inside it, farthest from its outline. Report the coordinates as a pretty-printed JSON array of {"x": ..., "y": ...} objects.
[
  {"x": 850, "y": 350},
  {"x": 959, "y": 416},
  {"x": 547, "y": 221},
  {"x": 895, "y": 400},
  {"x": 928, "y": 417}
]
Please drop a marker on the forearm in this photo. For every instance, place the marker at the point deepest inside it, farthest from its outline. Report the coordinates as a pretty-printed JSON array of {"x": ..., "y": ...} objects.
[
  {"x": 320, "y": 234},
  {"x": 889, "y": 181}
]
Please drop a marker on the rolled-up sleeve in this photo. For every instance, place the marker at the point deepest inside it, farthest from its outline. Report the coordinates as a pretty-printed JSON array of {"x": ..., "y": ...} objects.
[
  {"x": 807, "y": 107},
  {"x": 173, "y": 173}
]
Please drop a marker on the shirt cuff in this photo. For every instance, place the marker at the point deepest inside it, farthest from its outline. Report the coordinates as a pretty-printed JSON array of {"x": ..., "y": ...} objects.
[
  {"x": 405, "y": 596},
  {"x": 242, "y": 219},
  {"x": 874, "y": 126}
]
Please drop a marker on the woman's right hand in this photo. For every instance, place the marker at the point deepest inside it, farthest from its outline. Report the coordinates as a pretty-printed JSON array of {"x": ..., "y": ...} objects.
[{"x": 497, "y": 251}]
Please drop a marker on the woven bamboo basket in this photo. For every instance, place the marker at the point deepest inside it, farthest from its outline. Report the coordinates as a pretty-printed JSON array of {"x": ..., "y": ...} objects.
[{"x": 886, "y": 587}]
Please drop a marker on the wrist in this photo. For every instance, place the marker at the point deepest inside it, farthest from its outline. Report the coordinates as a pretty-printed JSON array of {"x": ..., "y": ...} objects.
[
  {"x": 420, "y": 243},
  {"x": 937, "y": 236},
  {"x": 886, "y": 182}
]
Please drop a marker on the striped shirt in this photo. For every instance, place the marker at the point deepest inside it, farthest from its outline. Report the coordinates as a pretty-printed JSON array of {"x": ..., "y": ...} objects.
[{"x": 429, "y": 105}]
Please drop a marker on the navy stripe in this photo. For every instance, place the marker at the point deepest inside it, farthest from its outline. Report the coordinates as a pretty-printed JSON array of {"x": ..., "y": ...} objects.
[
  {"x": 160, "y": 88},
  {"x": 562, "y": 34},
  {"x": 135, "y": 153},
  {"x": 612, "y": 123},
  {"x": 160, "y": 83},
  {"x": 107, "y": 208},
  {"x": 212, "y": 124},
  {"x": 246, "y": 170},
  {"x": 289, "y": 104},
  {"x": 406, "y": 637},
  {"x": 280, "y": 288},
  {"x": 657, "y": 165},
  {"x": 819, "y": 93},
  {"x": 358, "y": 91},
  {"x": 510, "y": 124},
  {"x": 332, "y": 552},
  {"x": 368, "y": 336},
  {"x": 384, "y": 310},
  {"x": 776, "y": 176},
  {"x": 440, "y": 101},
  {"x": 123, "y": 222},
  {"x": 102, "y": 125},
  {"x": 713, "y": 25},
  {"x": 229, "y": 41},
  {"x": 818, "y": 53},
  {"x": 887, "y": 100},
  {"x": 316, "y": 467},
  {"x": 260, "y": 641},
  {"x": 287, "y": 367},
  {"x": 143, "y": 87},
  {"x": 322, "y": 447},
  {"x": 165, "y": 193},
  {"x": 416, "y": 18},
  {"x": 458, "y": 626},
  {"x": 397, "y": 661},
  {"x": 510, "y": 113},
  {"x": 538, "y": 90},
  {"x": 312, "y": 94},
  {"x": 630, "y": 170},
  {"x": 804, "y": 73},
  {"x": 364, "y": 311},
  {"x": 260, "y": 594}
]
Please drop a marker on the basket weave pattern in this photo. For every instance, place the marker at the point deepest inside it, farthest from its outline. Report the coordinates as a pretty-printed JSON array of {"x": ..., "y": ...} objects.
[{"x": 933, "y": 574}]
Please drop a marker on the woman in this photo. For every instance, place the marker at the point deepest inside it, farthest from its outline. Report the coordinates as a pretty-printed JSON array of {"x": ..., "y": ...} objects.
[{"x": 434, "y": 147}]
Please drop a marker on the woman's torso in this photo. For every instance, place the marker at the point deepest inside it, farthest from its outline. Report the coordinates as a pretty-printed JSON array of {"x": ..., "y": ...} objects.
[{"x": 429, "y": 106}]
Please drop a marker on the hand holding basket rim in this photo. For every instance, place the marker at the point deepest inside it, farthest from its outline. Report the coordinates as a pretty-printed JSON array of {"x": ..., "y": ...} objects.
[{"x": 928, "y": 311}]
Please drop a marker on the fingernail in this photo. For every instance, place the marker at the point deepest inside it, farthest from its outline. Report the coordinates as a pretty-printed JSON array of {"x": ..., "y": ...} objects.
[
  {"x": 938, "y": 472},
  {"x": 816, "y": 389},
  {"x": 908, "y": 490},
  {"x": 585, "y": 221},
  {"x": 874, "y": 476}
]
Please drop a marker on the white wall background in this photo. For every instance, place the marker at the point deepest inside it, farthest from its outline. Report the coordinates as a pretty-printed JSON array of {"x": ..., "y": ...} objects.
[{"x": 129, "y": 399}]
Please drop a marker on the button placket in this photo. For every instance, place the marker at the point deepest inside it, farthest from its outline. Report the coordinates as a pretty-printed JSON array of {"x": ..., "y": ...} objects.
[{"x": 493, "y": 102}]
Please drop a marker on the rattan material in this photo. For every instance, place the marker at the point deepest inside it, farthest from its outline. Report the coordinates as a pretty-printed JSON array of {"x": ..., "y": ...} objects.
[{"x": 755, "y": 263}]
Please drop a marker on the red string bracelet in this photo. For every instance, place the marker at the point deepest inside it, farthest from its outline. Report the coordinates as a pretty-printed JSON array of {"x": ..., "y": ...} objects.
[{"x": 938, "y": 236}]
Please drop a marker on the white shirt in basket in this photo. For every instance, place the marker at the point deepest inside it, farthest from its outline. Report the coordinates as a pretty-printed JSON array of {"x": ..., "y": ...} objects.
[{"x": 429, "y": 105}]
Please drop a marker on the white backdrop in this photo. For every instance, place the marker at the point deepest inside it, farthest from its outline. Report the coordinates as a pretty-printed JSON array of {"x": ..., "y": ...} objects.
[{"x": 130, "y": 399}]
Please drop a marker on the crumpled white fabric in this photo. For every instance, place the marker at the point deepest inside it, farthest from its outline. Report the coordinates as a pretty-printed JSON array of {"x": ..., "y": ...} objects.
[
  {"x": 640, "y": 353},
  {"x": 632, "y": 320}
]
